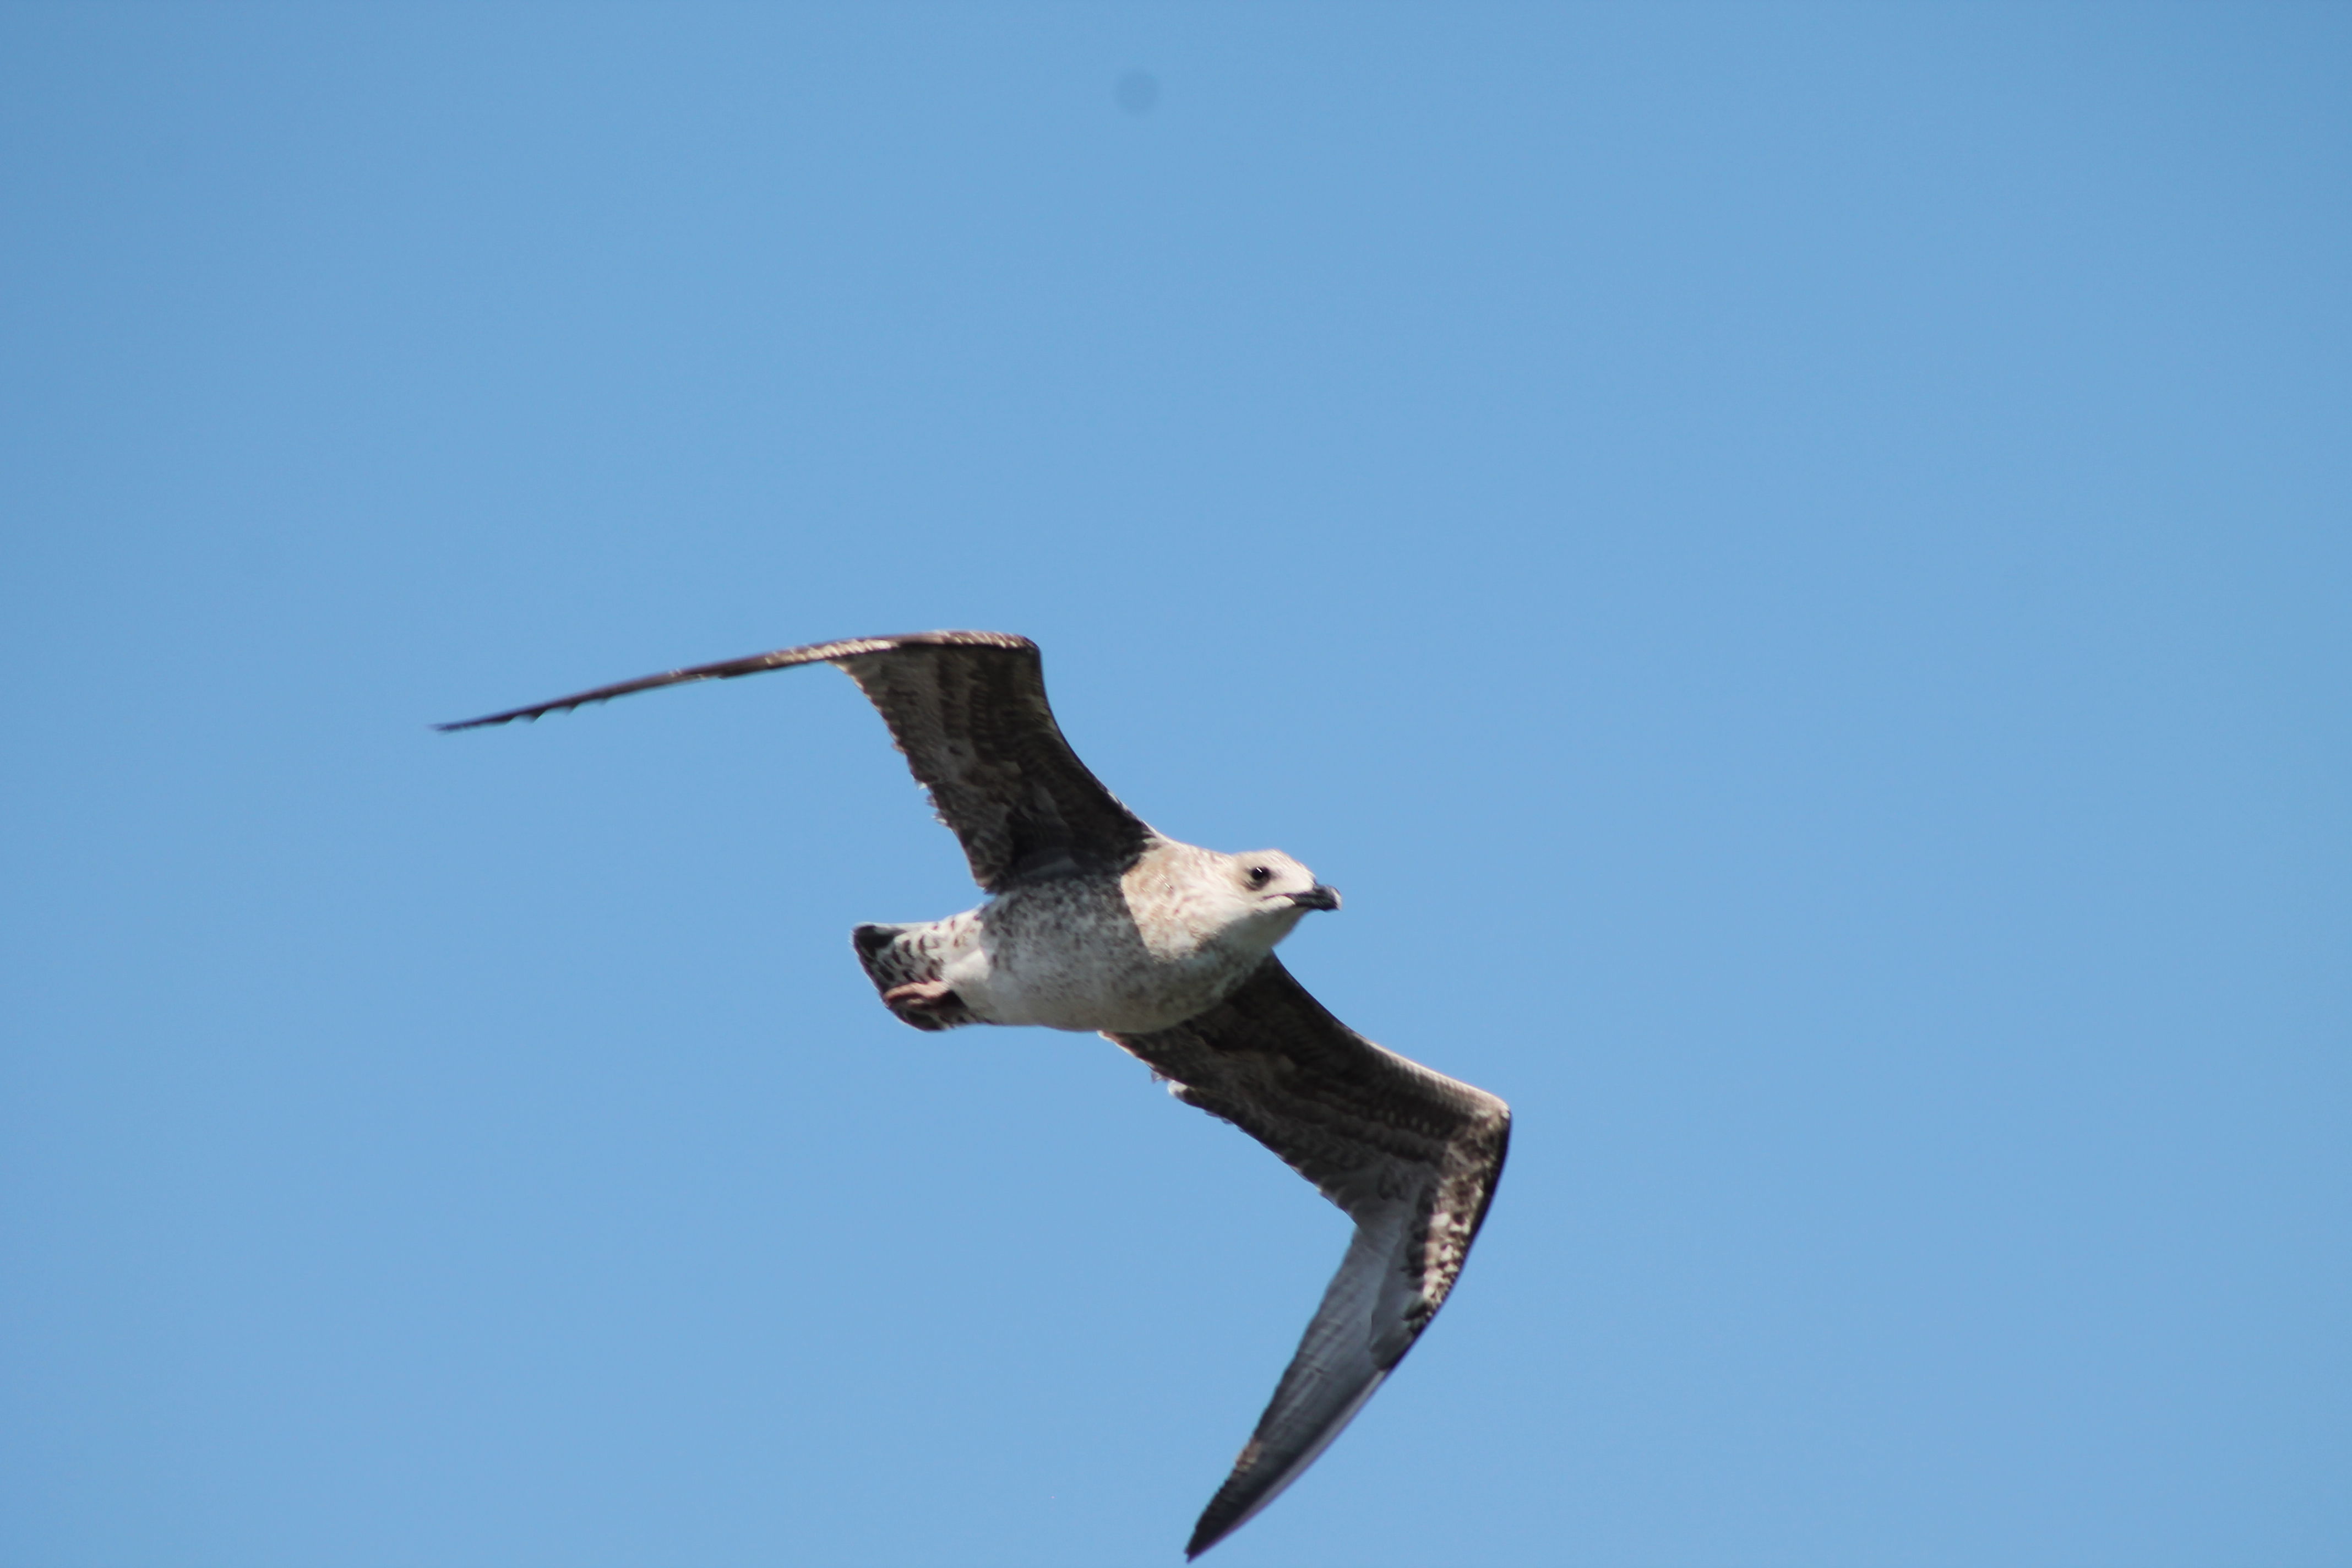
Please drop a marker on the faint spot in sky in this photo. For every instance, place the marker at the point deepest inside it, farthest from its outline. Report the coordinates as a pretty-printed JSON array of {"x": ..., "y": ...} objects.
[{"x": 1137, "y": 91}]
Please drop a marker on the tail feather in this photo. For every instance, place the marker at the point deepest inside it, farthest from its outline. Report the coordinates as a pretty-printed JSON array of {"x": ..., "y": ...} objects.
[{"x": 895, "y": 955}]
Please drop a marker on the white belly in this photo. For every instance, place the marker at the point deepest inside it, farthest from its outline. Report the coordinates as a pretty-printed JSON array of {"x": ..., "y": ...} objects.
[{"x": 1068, "y": 956}]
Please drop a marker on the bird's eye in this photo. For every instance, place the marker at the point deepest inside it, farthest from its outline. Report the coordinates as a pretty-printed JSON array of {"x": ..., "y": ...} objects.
[{"x": 1258, "y": 875}]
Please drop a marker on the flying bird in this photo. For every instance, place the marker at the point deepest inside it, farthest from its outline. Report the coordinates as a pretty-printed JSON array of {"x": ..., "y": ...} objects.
[{"x": 1095, "y": 921}]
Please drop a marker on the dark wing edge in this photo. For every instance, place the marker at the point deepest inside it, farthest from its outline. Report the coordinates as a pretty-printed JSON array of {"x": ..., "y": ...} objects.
[
  {"x": 754, "y": 664},
  {"x": 1412, "y": 1155},
  {"x": 967, "y": 711}
]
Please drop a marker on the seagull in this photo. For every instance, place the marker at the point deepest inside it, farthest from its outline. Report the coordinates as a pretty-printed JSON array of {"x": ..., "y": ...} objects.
[{"x": 1096, "y": 922}]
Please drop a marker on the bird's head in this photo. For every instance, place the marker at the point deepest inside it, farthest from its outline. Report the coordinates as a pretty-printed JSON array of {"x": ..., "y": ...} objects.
[{"x": 1273, "y": 886}]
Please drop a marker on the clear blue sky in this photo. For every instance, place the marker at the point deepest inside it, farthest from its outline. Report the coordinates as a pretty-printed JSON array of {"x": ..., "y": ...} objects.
[{"x": 1791, "y": 562}]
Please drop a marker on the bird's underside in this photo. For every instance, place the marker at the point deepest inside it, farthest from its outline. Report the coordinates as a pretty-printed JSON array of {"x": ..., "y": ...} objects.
[{"x": 1411, "y": 1155}]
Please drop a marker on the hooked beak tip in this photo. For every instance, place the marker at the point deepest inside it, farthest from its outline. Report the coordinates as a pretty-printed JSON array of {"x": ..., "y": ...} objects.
[{"x": 1319, "y": 897}]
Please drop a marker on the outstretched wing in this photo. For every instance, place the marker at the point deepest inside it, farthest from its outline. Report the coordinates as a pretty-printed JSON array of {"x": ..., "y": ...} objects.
[
  {"x": 969, "y": 711},
  {"x": 1410, "y": 1155}
]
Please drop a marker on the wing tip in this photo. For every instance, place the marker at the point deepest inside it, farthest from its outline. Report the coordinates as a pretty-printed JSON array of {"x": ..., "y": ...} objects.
[
  {"x": 1249, "y": 1490},
  {"x": 780, "y": 659},
  {"x": 1231, "y": 1509},
  {"x": 1204, "y": 1535},
  {"x": 519, "y": 715}
]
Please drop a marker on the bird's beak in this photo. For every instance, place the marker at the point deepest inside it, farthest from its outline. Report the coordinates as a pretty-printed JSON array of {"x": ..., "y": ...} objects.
[{"x": 1319, "y": 897}]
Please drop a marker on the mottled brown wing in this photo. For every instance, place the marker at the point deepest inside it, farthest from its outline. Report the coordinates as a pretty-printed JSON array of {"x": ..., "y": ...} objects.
[
  {"x": 969, "y": 711},
  {"x": 1412, "y": 1155}
]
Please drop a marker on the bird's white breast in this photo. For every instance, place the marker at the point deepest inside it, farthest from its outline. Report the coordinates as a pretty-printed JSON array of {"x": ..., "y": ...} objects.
[{"x": 1128, "y": 954}]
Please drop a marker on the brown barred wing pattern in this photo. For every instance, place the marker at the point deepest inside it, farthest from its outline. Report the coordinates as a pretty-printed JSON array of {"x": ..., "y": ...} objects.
[
  {"x": 1412, "y": 1155},
  {"x": 969, "y": 711}
]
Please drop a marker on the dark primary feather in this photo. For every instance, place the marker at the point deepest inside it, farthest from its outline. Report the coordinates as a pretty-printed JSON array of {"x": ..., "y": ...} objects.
[
  {"x": 969, "y": 711},
  {"x": 1412, "y": 1155}
]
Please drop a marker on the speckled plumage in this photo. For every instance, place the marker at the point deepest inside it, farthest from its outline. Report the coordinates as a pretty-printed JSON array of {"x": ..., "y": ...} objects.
[{"x": 1097, "y": 922}]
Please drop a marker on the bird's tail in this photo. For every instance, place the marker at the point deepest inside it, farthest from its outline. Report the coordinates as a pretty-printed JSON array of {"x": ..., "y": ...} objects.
[{"x": 904, "y": 962}]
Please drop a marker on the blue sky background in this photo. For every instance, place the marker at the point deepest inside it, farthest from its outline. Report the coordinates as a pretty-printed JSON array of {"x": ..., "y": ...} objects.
[{"x": 1791, "y": 561}]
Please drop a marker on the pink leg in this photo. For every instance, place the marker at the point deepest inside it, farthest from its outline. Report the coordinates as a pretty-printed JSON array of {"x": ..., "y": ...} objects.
[{"x": 921, "y": 995}]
